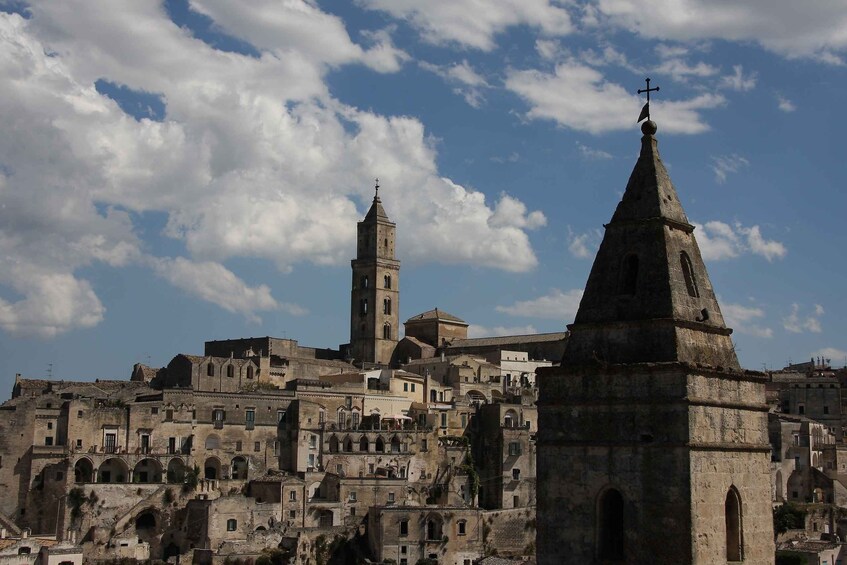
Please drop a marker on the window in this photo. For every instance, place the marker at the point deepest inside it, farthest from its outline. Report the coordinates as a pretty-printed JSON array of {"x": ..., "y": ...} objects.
[
  {"x": 169, "y": 415},
  {"x": 257, "y": 446},
  {"x": 231, "y": 524},
  {"x": 516, "y": 501},
  {"x": 462, "y": 527},
  {"x": 629, "y": 275},
  {"x": 363, "y": 306},
  {"x": 387, "y": 279},
  {"x": 276, "y": 447},
  {"x": 610, "y": 522},
  {"x": 48, "y": 440},
  {"x": 444, "y": 419},
  {"x": 423, "y": 445},
  {"x": 311, "y": 460},
  {"x": 386, "y": 306},
  {"x": 218, "y": 417},
  {"x": 352, "y": 496},
  {"x": 280, "y": 416},
  {"x": 464, "y": 420},
  {"x": 516, "y": 474},
  {"x": 250, "y": 418},
  {"x": 210, "y": 370},
  {"x": 230, "y": 371},
  {"x": 49, "y": 425},
  {"x": 801, "y": 409},
  {"x": 514, "y": 448},
  {"x": 413, "y": 387},
  {"x": 79, "y": 413},
  {"x": 352, "y": 510},
  {"x": 238, "y": 445},
  {"x": 364, "y": 282},
  {"x": 292, "y": 496},
  {"x": 404, "y": 528},
  {"x": 734, "y": 539},
  {"x": 688, "y": 274},
  {"x": 826, "y": 409},
  {"x": 405, "y": 387},
  {"x": 313, "y": 441},
  {"x": 171, "y": 445},
  {"x": 390, "y": 498},
  {"x": 79, "y": 444},
  {"x": 339, "y": 469},
  {"x": 370, "y": 468},
  {"x": 355, "y": 419}
]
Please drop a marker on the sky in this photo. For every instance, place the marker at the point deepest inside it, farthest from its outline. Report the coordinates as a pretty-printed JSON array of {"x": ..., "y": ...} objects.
[{"x": 180, "y": 171}]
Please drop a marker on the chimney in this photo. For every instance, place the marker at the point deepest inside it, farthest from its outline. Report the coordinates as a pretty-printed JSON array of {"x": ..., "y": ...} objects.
[{"x": 25, "y": 533}]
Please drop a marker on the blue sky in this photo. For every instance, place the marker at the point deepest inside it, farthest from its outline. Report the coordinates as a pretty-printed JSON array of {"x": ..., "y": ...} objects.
[{"x": 194, "y": 169}]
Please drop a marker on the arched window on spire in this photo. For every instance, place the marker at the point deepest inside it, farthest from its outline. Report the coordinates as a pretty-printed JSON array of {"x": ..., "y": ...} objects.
[
  {"x": 386, "y": 331},
  {"x": 734, "y": 537},
  {"x": 364, "y": 281},
  {"x": 386, "y": 306},
  {"x": 688, "y": 274},
  {"x": 629, "y": 275},
  {"x": 387, "y": 281},
  {"x": 610, "y": 526},
  {"x": 363, "y": 306}
]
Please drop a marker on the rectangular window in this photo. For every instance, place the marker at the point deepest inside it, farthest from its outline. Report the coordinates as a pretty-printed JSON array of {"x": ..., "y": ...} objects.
[
  {"x": 352, "y": 496},
  {"x": 826, "y": 409},
  {"x": 79, "y": 413},
  {"x": 311, "y": 460},
  {"x": 413, "y": 387},
  {"x": 257, "y": 446},
  {"x": 390, "y": 498},
  {"x": 348, "y": 401},
  {"x": 514, "y": 448},
  {"x": 423, "y": 445},
  {"x": 218, "y": 417},
  {"x": 405, "y": 387},
  {"x": 370, "y": 468},
  {"x": 464, "y": 420},
  {"x": 238, "y": 445},
  {"x": 276, "y": 447},
  {"x": 462, "y": 524},
  {"x": 250, "y": 418},
  {"x": 339, "y": 470},
  {"x": 169, "y": 415},
  {"x": 444, "y": 419},
  {"x": 292, "y": 514},
  {"x": 110, "y": 444},
  {"x": 352, "y": 510},
  {"x": 516, "y": 474},
  {"x": 292, "y": 496},
  {"x": 154, "y": 410},
  {"x": 313, "y": 441},
  {"x": 145, "y": 443},
  {"x": 516, "y": 501},
  {"x": 79, "y": 444},
  {"x": 404, "y": 529},
  {"x": 49, "y": 425},
  {"x": 48, "y": 440}
]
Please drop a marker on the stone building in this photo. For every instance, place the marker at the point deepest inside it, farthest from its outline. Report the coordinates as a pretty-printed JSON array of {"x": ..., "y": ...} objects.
[
  {"x": 375, "y": 296},
  {"x": 652, "y": 442}
]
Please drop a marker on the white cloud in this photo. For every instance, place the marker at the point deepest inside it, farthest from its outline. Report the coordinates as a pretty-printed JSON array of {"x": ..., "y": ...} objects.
[
  {"x": 555, "y": 305},
  {"x": 679, "y": 70},
  {"x": 584, "y": 245},
  {"x": 463, "y": 74},
  {"x": 591, "y": 154},
  {"x": 785, "y": 104},
  {"x": 797, "y": 323},
  {"x": 814, "y": 30},
  {"x": 253, "y": 158},
  {"x": 722, "y": 165},
  {"x": 738, "y": 80},
  {"x": 719, "y": 240},
  {"x": 471, "y": 24},
  {"x": 739, "y": 318},
  {"x": 579, "y": 97},
  {"x": 475, "y": 330},
  {"x": 218, "y": 285}
]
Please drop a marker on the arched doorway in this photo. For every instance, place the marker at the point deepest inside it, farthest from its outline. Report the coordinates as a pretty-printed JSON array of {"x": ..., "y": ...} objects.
[
  {"x": 83, "y": 471},
  {"x": 113, "y": 470},
  {"x": 145, "y": 521},
  {"x": 147, "y": 471},
  {"x": 610, "y": 526},
  {"x": 238, "y": 468},
  {"x": 212, "y": 468},
  {"x": 176, "y": 471},
  {"x": 734, "y": 538}
]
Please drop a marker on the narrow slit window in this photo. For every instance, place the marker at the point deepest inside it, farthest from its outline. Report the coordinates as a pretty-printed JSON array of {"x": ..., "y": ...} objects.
[
  {"x": 688, "y": 273},
  {"x": 629, "y": 275},
  {"x": 611, "y": 526},
  {"x": 387, "y": 281},
  {"x": 734, "y": 539}
]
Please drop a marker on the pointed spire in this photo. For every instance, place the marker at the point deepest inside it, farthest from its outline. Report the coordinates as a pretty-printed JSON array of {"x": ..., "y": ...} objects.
[
  {"x": 376, "y": 212},
  {"x": 648, "y": 297}
]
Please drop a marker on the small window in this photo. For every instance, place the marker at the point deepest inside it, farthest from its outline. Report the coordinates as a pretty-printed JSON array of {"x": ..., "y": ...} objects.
[
  {"x": 826, "y": 409},
  {"x": 79, "y": 444},
  {"x": 444, "y": 419},
  {"x": 169, "y": 415},
  {"x": 413, "y": 387},
  {"x": 249, "y": 372},
  {"x": 386, "y": 306},
  {"x": 386, "y": 331},
  {"x": 257, "y": 446},
  {"x": 154, "y": 410},
  {"x": 230, "y": 371},
  {"x": 514, "y": 448},
  {"x": 405, "y": 387},
  {"x": 688, "y": 274},
  {"x": 292, "y": 514},
  {"x": 364, "y": 281},
  {"x": 210, "y": 370},
  {"x": 48, "y": 440},
  {"x": 387, "y": 281},
  {"x": 462, "y": 527},
  {"x": 292, "y": 496},
  {"x": 390, "y": 498},
  {"x": 79, "y": 413},
  {"x": 238, "y": 445},
  {"x": 404, "y": 527},
  {"x": 352, "y": 496},
  {"x": 49, "y": 425},
  {"x": 363, "y": 306},
  {"x": 516, "y": 474},
  {"x": 231, "y": 525}
]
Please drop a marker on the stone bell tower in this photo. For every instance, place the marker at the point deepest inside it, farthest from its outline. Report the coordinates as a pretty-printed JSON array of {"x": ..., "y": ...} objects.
[
  {"x": 375, "y": 296},
  {"x": 652, "y": 444}
]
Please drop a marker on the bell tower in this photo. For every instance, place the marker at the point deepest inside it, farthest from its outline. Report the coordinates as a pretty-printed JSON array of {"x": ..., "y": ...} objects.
[
  {"x": 653, "y": 441},
  {"x": 375, "y": 296}
]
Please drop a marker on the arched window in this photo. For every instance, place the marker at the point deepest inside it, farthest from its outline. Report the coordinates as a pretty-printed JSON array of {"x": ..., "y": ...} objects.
[
  {"x": 348, "y": 445},
  {"x": 387, "y": 281},
  {"x": 386, "y": 331},
  {"x": 364, "y": 281},
  {"x": 610, "y": 522},
  {"x": 688, "y": 273},
  {"x": 734, "y": 539},
  {"x": 629, "y": 275},
  {"x": 230, "y": 371},
  {"x": 333, "y": 444},
  {"x": 386, "y": 306},
  {"x": 380, "y": 445},
  {"x": 363, "y": 306},
  {"x": 364, "y": 444},
  {"x": 210, "y": 370}
]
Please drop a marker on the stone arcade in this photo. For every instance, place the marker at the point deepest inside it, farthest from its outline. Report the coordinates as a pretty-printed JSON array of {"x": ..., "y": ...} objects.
[{"x": 653, "y": 443}]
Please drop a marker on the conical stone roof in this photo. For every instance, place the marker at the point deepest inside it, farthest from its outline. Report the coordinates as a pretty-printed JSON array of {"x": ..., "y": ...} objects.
[{"x": 648, "y": 297}]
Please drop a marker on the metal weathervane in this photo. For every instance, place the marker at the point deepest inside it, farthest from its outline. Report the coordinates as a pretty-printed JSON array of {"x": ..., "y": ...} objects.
[{"x": 645, "y": 111}]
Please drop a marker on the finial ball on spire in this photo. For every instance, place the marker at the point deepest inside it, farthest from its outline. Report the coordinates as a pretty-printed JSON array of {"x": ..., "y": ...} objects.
[{"x": 649, "y": 127}]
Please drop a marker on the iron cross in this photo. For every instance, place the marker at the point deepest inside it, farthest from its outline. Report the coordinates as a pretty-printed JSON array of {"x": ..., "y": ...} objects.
[
  {"x": 376, "y": 186},
  {"x": 648, "y": 90}
]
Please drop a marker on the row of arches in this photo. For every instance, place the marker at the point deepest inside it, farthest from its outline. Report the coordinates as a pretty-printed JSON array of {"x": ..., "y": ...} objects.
[
  {"x": 364, "y": 281},
  {"x": 611, "y": 526},
  {"x": 349, "y": 445},
  {"x": 149, "y": 470},
  {"x": 386, "y": 306}
]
